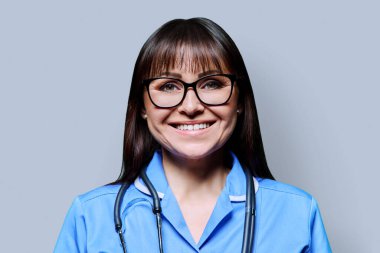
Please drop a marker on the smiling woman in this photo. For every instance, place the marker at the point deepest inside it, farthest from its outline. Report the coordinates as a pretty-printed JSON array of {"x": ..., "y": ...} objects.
[{"x": 193, "y": 161}]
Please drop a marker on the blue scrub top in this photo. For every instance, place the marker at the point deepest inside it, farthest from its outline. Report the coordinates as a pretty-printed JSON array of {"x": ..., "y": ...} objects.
[{"x": 287, "y": 219}]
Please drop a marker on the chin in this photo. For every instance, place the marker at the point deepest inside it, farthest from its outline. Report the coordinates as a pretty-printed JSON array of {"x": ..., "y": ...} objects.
[
  {"x": 193, "y": 152},
  {"x": 193, "y": 155}
]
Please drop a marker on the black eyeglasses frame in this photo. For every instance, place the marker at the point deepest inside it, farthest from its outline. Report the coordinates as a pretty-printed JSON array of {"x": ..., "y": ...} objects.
[{"x": 193, "y": 85}]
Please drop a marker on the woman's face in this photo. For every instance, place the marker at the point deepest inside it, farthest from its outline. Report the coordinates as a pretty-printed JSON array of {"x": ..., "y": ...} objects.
[{"x": 165, "y": 124}]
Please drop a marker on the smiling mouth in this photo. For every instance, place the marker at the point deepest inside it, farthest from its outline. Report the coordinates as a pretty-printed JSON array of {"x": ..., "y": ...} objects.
[{"x": 192, "y": 127}]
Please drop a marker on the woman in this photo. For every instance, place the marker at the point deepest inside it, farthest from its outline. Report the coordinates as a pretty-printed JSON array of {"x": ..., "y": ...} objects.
[{"x": 192, "y": 129}]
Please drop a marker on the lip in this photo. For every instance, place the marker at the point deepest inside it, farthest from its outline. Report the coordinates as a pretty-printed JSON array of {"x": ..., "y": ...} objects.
[{"x": 192, "y": 122}]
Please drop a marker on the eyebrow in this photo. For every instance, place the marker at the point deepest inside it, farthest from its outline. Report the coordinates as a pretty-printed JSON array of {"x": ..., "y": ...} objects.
[{"x": 177, "y": 75}]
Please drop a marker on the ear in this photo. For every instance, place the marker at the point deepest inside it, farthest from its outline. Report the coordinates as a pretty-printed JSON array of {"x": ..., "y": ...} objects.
[
  {"x": 239, "y": 109},
  {"x": 143, "y": 113}
]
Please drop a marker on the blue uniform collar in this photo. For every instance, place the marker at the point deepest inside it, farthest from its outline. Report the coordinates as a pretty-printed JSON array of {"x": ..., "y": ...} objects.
[
  {"x": 235, "y": 185},
  {"x": 233, "y": 191}
]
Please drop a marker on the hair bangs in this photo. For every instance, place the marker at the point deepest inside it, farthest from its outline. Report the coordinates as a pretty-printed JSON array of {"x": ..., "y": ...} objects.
[{"x": 193, "y": 54}]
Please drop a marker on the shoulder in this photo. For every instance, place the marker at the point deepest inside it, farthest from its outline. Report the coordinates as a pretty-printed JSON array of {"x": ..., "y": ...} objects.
[
  {"x": 288, "y": 201},
  {"x": 294, "y": 212},
  {"x": 99, "y": 192},
  {"x": 270, "y": 186},
  {"x": 285, "y": 196},
  {"x": 104, "y": 196}
]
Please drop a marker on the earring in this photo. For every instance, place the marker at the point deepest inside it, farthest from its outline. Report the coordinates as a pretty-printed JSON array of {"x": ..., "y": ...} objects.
[
  {"x": 144, "y": 116},
  {"x": 238, "y": 111}
]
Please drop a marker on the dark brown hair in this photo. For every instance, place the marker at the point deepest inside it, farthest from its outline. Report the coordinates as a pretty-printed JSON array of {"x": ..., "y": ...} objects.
[{"x": 196, "y": 44}]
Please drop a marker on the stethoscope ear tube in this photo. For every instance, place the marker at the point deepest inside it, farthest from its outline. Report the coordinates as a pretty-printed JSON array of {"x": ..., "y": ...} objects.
[
  {"x": 117, "y": 216},
  {"x": 249, "y": 222},
  {"x": 156, "y": 206}
]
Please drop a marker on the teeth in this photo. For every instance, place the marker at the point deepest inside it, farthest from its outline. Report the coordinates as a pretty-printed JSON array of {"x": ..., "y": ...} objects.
[{"x": 193, "y": 127}]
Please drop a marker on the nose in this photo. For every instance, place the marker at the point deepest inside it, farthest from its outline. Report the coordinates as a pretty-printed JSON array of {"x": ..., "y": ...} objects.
[{"x": 191, "y": 104}]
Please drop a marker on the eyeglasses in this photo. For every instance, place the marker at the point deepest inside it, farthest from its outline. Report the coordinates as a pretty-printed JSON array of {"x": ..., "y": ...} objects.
[{"x": 167, "y": 92}]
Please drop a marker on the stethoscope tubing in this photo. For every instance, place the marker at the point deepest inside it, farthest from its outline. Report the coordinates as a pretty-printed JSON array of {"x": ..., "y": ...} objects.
[
  {"x": 156, "y": 207},
  {"x": 117, "y": 216},
  {"x": 250, "y": 214},
  {"x": 249, "y": 222}
]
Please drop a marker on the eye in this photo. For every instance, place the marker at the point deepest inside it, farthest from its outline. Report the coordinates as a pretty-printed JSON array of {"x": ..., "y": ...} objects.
[
  {"x": 170, "y": 87},
  {"x": 211, "y": 85}
]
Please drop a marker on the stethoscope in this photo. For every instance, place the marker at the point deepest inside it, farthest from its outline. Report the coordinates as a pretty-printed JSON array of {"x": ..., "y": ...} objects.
[{"x": 249, "y": 222}]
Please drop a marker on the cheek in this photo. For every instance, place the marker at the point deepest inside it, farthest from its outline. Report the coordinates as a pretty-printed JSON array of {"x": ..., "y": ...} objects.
[
  {"x": 232, "y": 122},
  {"x": 230, "y": 118},
  {"x": 156, "y": 120}
]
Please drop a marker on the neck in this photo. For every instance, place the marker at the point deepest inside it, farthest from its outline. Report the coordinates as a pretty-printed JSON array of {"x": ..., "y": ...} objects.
[{"x": 194, "y": 178}]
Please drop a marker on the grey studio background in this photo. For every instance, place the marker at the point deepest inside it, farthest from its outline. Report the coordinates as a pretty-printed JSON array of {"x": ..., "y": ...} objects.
[{"x": 65, "y": 69}]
